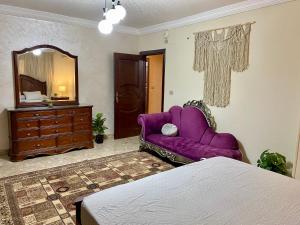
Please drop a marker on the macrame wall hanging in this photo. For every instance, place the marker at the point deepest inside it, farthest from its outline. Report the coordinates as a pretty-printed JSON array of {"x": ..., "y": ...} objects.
[{"x": 217, "y": 53}]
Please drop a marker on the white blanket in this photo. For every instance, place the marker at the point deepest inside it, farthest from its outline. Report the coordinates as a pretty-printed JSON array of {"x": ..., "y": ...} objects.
[{"x": 218, "y": 191}]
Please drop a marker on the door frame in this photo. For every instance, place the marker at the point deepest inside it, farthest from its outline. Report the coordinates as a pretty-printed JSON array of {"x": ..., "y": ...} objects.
[
  {"x": 156, "y": 52},
  {"x": 295, "y": 172}
]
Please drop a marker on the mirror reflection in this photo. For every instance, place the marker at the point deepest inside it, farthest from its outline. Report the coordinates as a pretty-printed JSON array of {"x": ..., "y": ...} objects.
[{"x": 46, "y": 75}]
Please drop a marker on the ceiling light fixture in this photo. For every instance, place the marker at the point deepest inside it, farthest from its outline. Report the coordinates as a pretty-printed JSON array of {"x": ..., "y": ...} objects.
[
  {"x": 111, "y": 17},
  {"x": 112, "y": 14}
]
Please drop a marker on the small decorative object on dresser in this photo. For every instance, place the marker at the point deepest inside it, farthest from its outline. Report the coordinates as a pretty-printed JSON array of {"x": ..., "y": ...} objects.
[{"x": 47, "y": 131}]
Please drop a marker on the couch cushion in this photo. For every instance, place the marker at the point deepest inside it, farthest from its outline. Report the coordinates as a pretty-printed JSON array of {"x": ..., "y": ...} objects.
[
  {"x": 208, "y": 136},
  {"x": 193, "y": 123},
  {"x": 189, "y": 148},
  {"x": 205, "y": 151}
]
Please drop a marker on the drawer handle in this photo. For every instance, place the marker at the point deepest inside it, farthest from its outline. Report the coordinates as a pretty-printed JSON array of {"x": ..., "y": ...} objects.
[
  {"x": 56, "y": 122},
  {"x": 38, "y": 145},
  {"x": 37, "y": 114},
  {"x": 29, "y": 134},
  {"x": 28, "y": 125},
  {"x": 56, "y": 131},
  {"x": 81, "y": 119}
]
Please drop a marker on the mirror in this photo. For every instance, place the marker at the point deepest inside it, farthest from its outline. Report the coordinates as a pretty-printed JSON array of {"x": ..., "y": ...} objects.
[{"x": 45, "y": 74}]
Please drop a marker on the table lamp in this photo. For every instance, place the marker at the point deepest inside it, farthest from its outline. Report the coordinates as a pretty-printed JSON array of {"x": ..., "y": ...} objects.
[{"x": 62, "y": 89}]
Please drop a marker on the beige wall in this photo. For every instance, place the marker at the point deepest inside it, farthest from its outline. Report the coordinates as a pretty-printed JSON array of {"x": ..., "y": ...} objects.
[
  {"x": 265, "y": 105},
  {"x": 95, "y": 55},
  {"x": 155, "y": 83}
]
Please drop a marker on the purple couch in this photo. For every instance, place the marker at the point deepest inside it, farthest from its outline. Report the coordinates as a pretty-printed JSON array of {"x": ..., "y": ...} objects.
[{"x": 196, "y": 139}]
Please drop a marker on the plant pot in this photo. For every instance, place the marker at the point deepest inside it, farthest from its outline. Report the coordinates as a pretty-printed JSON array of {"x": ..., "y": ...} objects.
[{"x": 99, "y": 139}]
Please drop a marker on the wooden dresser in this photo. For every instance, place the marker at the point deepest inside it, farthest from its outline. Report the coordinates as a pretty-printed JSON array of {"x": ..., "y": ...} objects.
[{"x": 47, "y": 131}]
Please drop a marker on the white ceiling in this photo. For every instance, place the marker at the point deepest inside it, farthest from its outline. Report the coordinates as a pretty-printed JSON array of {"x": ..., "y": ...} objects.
[{"x": 141, "y": 13}]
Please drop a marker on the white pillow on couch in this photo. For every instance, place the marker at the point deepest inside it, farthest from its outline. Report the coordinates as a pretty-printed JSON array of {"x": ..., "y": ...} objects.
[{"x": 169, "y": 129}]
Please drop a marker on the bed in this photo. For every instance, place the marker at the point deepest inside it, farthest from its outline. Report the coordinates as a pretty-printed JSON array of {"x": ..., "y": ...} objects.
[
  {"x": 216, "y": 191},
  {"x": 30, "y": 84}
]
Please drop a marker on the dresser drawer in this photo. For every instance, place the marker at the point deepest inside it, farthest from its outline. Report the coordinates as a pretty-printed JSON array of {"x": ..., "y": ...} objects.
[
  {"x": 34, "y": 114},
  {"x": 81, "y": 111},
  {"x": 56, "y": 130},
  {"x": 81, "y": 138},
  {"x": 82, "y": 118},
  {"x": 56, "y": 121},
  {"x": 82, "y": 127},
  {"x": 27, "y": 133},
  {"x": 36, "y": 144},
  {"x": 64, "y": 140},
  {"x": 62, "y": 112},
  {"x": 73, "y": 111},
  {"x": 22, "y": 124}
]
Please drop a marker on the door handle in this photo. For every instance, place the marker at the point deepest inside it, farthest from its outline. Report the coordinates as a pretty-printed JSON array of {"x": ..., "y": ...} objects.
[{"x": 117, "y": 97}]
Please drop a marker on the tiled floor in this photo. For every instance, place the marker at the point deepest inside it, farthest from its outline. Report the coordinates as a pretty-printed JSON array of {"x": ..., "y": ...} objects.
[{"x": 110, "y": 147}]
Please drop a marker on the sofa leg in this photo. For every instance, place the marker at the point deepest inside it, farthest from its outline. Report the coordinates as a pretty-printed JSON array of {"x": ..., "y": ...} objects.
[{"x": 141, "y": 148}]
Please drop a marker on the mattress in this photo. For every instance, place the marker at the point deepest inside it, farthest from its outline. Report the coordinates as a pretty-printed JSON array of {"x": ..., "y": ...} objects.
[{"x": 217, "y": 191}]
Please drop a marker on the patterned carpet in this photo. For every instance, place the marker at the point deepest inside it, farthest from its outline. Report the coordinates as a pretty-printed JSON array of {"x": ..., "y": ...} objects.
[{"x": 47, "y": 196}]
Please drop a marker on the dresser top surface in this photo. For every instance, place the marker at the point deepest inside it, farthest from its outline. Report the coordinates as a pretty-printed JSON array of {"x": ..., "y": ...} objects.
[{"x": 46, "y": 108}]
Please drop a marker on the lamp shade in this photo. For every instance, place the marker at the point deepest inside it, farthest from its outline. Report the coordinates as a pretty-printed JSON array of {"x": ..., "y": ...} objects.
[
  {"x": 62, "y": 88},
  {"x": 105, "y": 27},
  {"x": 121, "y": 11},
  {"x": 112, "y": 16}
]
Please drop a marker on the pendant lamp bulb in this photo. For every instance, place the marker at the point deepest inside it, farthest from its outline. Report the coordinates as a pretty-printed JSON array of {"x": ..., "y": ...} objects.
[
  {"x": 105, "y": 27},
  {"x": 121, "y": 11}
]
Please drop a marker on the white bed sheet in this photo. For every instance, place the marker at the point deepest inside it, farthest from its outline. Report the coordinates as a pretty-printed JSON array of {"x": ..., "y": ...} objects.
[{"x": 218, "y": 191}]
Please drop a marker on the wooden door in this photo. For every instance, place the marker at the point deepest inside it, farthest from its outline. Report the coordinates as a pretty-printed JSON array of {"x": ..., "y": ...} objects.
[
  {"x": 130, "y": 73},
  {"x": 155, "y": 83}
]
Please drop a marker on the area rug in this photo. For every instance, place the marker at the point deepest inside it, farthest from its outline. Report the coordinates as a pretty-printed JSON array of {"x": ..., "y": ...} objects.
[{"x": 47, "y": 196}]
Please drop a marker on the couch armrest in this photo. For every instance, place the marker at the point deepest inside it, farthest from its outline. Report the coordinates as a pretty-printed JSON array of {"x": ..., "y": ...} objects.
[
  {"x": 152, "y": 123},
  {"x": 225, "y": 140}
]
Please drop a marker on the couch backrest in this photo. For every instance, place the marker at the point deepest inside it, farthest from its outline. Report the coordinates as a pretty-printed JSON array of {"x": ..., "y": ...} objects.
[
  {"x": 175, "y": 111},
  {"x": 190, "y": 121}
]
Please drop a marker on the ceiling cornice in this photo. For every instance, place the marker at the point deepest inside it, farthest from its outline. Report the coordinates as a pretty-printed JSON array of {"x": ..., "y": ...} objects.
[
  {"x": 52, "y": 17},
  {"x": 201, "y": 17},
  {"x": 212, "y": 14}
]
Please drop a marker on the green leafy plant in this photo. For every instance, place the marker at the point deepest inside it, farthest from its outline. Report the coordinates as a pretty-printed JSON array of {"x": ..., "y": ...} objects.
[
  {"x": 98, "y": 124},
  {"x": 273, "y": 161}
]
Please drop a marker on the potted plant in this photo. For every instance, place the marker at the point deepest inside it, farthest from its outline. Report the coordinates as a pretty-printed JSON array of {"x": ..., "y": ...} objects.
[
  {"x": 273, "y": 161},
  {"x": 99, "y": 127}
]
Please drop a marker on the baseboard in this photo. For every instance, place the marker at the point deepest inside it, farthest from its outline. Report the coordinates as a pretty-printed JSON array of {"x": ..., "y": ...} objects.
[{"x": 3, "y": 152}]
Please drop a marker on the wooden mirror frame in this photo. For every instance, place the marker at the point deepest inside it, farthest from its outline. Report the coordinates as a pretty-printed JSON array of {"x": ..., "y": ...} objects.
[{"x": 19, "y": 104}]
